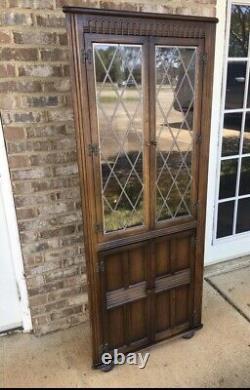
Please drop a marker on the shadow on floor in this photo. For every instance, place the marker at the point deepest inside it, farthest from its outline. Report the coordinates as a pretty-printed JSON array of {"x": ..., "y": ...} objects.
[{"x": 217, "y": 356}]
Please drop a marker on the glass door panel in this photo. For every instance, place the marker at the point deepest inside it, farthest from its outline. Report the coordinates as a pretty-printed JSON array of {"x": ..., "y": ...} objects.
[
  {"x": 233, "y": 188},
  {"x": 175, "y": 84},
  {"x": 119, "y": 97}
]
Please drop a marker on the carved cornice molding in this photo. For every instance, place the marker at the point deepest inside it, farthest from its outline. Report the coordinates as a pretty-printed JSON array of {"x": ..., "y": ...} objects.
[{"x": 138, "y": 26}]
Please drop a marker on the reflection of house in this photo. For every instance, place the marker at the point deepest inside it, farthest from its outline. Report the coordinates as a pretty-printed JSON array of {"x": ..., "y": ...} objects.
[{"x": 35, "y": 101}]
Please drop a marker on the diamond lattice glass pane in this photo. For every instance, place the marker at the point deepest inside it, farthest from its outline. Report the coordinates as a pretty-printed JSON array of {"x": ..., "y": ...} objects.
[
  {"x": 118, "y": 71},
  {"x": 175, "y": 75}
]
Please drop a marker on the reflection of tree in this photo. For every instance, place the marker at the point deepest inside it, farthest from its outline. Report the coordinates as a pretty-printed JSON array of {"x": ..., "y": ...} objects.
[
  {"x": 228, "y": 178},
  {"x": 106, "y": 55},
  {"x": 167, "y": 59},
  {"x": 176, "y": 68},
  {"x": 125, "y": 60},
  {"x": 230, "y": 146},
  {"x": 231, "y": 140},
  {"x": 239, "y": 35}
]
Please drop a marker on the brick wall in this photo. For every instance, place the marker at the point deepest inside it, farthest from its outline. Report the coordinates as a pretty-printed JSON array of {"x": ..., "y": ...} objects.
[{"x": 38, "y": 124}]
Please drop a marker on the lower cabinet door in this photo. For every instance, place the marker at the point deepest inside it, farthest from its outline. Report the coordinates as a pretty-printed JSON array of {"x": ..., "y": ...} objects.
[{"x": 147, "y": 291}]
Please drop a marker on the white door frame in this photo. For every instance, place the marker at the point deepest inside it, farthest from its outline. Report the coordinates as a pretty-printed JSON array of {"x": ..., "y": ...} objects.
[
  {"x": 13, "y": 234},
  {"x": 238, "y": 245}
]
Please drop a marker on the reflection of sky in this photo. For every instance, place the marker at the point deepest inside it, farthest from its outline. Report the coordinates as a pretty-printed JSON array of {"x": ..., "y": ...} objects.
[
  {"x": 173, "y": 57},
  {"x": 125, "y": 51},
  {"x": 163, "y": 53},
  {"x": 242, "y": 8}
]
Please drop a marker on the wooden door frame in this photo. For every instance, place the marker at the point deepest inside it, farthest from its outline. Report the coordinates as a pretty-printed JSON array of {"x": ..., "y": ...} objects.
[{"x": 80, "y": 21}]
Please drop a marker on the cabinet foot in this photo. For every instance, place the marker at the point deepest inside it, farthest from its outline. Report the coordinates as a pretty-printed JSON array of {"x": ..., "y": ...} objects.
[
  {"x": 106, "y": 367},
  {"x": 189, "y": 335}
]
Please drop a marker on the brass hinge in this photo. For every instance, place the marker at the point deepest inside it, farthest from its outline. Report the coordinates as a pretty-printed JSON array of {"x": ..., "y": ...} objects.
[
  {"x": 93, "y": 149},
  {"x": 100, "y": 266},
  {"x": 87, "y": 55},
  {"x": 204, "y": 58},
  {"x": 98, "y": 228}
]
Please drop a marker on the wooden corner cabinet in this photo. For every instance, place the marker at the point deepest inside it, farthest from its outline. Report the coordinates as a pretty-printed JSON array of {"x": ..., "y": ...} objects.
[{"x": 142, "y": 87}]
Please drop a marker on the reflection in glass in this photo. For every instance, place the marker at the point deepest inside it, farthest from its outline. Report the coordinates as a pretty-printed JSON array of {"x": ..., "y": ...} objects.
[
  {"x": 246, "y": 144},
  {"x": 245, "y": 176},
  {"x": 243, "y": 220},
  {"x": 236, "y": 78},
  {"x": 248, "y": 96},
  {"x": 175, "y": 75},
  {"x": 225, "y": 219},
  {"x": 118, "y": 71},
  {"x": 231, "y": 134},
  {"x": 228, "y": 177},
  {"x": 239, "y": 32},
  {"x": 235, "y": 93}
]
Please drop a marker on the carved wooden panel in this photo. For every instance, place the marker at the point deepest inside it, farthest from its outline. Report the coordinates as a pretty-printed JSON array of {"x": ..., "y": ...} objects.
[{"x": 147, "y": 286}]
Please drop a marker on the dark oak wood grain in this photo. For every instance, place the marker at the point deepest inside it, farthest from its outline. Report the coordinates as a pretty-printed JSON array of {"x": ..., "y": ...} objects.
[{"x": 145, "y": 282}]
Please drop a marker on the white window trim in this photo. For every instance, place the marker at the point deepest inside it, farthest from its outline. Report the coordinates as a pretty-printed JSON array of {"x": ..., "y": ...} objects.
[
  {"x": 13, "y": 234},
  {"x": 222, "y": 249}
]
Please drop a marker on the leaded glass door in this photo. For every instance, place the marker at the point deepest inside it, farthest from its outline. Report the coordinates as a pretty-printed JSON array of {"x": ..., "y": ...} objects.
[
  {"x": 145, "y": 133},
  {"x": 145, "y": 96},
  {"x": 176, "y": 132},
  {"x": 120, "y": 135}
]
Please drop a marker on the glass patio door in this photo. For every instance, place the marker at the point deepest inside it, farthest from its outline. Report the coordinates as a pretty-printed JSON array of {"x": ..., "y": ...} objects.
[{"x": 233, "y": 200}]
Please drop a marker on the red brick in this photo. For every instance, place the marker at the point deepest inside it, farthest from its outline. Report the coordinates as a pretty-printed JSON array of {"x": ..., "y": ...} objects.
[
  {"x": 20, "y": 86},
  {"x": 18, "y": 54},
  {"x": 8, "y": 101},
  {"x": 38, "y": 300},
  {"x": 77, "y": 3},
  {"x": 56, "y": 130},
  {"x": 32, "y": 173},
  {"x": 14, "y": 133},
  {"x": 5, "y": 37},
  {"x": 24, "y": 117},
  {"x": 63, "y": 39},
  {"x": 43, "y": 70},
  {"x": 14, "y": 18},
  {"x": 58, "y": 232},
  {"x": 51, "y": 21},
  {"x": 33, "y": 38},
  {"x": 27, "y": 213},
  {"x": 54, "y": 54},
  {"x": 55, "y": 158},
  {"x": 18, "y": 161},
  {"x": 60, "y": 115},
  {"x": 37, "y": 4},
  {"x": 7, "y": 70},
  {"x": 61, "y": 85},
  {"x": 42, "y": 101},
  {"x": 66, "y": 70},
  {"x": 119, "y": 5}
]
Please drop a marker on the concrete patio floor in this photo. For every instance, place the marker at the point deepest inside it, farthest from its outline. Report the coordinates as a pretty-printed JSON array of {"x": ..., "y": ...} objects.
[{"x": 217, "y": 356}]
